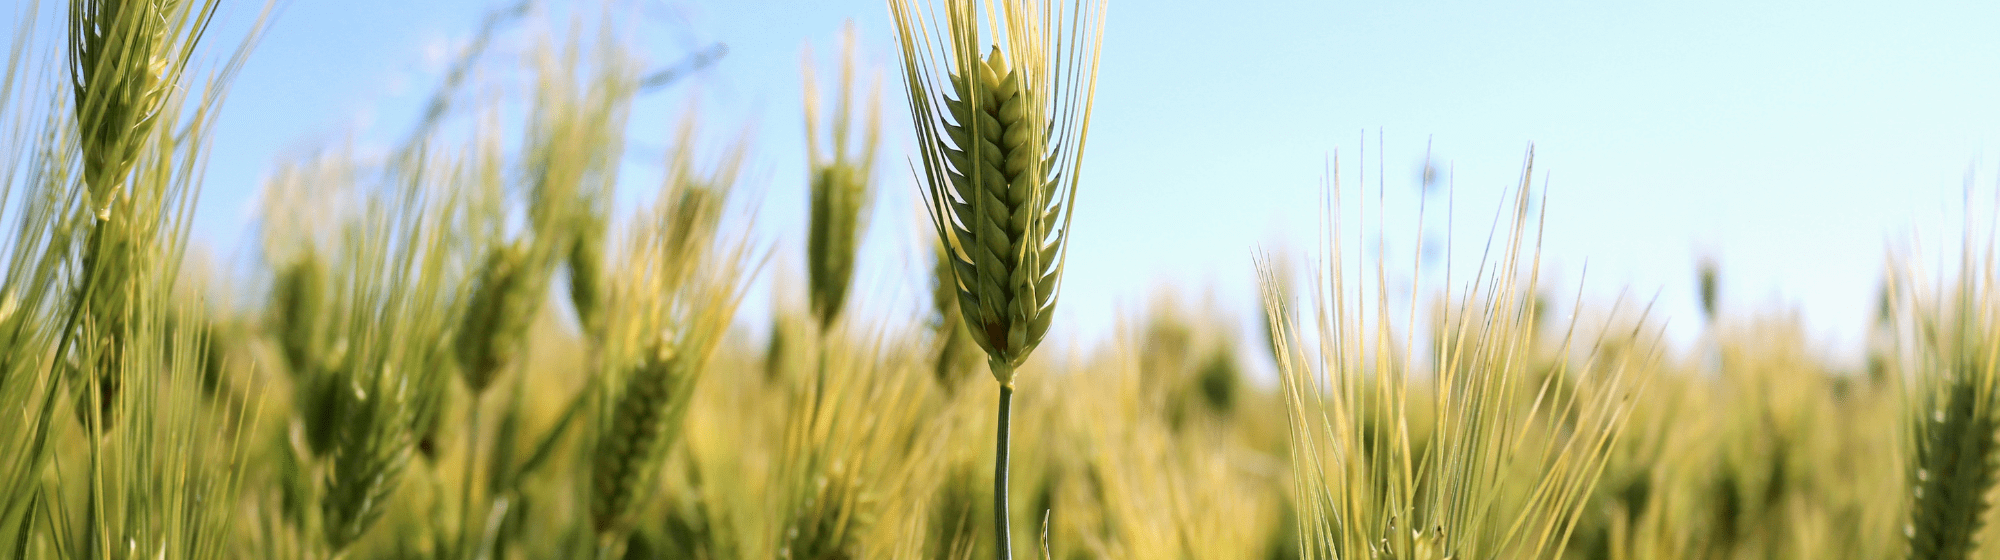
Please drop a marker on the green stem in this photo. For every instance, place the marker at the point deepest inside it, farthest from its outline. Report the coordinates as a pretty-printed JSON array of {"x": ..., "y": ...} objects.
[
  {"x": 465, "y": 503},
  {"x": 1002, "y": 538}
]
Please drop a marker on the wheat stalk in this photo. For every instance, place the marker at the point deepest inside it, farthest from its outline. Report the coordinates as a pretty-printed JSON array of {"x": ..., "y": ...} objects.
[
  {"x": 1001, "y": 139},
  {"x": 126, "y": 60}
]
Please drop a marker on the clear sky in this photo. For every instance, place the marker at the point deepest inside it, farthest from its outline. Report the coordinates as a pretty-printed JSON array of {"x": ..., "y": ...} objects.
[{"x": 1791, "y": 140}]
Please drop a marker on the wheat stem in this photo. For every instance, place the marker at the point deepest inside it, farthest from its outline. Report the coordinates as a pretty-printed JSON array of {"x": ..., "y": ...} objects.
[
  {"x": 1002, "y": 537},
  {"x": 471, "y": 454}
]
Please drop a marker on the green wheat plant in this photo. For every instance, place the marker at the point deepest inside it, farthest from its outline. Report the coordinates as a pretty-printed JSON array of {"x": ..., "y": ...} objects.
[
  {"x": 1001, "y": 111},
  {"x": 1953, "y": 417},
  {"x": 1480, "y": 448},
  {"x": 101, "y": 176},
  {"x": 841, "y": 181},
  {"x": 350, "y": 292},
  {"x": 674, "y": 298}
]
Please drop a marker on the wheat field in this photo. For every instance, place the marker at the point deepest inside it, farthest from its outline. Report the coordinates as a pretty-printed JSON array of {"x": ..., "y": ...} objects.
[{"x": 466, "y": 348}]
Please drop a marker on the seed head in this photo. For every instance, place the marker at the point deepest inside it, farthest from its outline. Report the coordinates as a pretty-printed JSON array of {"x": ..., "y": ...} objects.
[
  {"x": 125, "y": 56},
  {"x": 645, "y": 423},
  {"x": 496, "y": 321},
  {"x": 1001, "y": 139},
  {"x": 1707, "y": 284},
  {"x": 839, "y": 192},
  {"x": 297, "y": 295},
  {"x": 840, "y": 188},
  {"x": 370, "y": 449},
  {"x": 586, "y": 273}
]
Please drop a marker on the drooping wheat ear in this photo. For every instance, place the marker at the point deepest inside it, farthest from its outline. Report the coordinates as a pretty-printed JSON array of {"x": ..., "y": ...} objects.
[
  {"x": 503, "y": 303},
  {"x": 1001, "y": 140},
  {"x": 840, "y": 186}
]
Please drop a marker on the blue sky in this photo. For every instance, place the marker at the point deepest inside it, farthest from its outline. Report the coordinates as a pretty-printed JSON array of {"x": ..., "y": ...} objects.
[{"x": 1791, "y": 141}]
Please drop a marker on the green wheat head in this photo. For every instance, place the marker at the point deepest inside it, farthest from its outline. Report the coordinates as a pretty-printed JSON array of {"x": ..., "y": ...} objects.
[
  {"x": 1955, "y": 462},
  {"x": 645, "y": 421},
  {"x": 1001, "y": 136},
  {"x": 495, "y": 331},
  {"x": 1955, "y": 418},
  {"x": 840, "y": 186},
  {"x": 125, "y": 60}
]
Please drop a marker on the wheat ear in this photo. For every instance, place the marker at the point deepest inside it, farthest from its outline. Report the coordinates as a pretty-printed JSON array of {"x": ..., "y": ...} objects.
[
  {"x": 1955, "y": 469},
  {"x": 644, "y": 423},
  {"x": 510, "y": 286},
  {"x": 1955, "y": 454},
  {"x": 840, "y": 187}
]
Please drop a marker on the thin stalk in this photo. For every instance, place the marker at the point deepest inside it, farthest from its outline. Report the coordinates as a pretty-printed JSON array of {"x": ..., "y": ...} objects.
[
  {"x": 603, "y": 550},
  {"x": 1002, "y": 538},
  {"x": 471, "y": 453}
]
